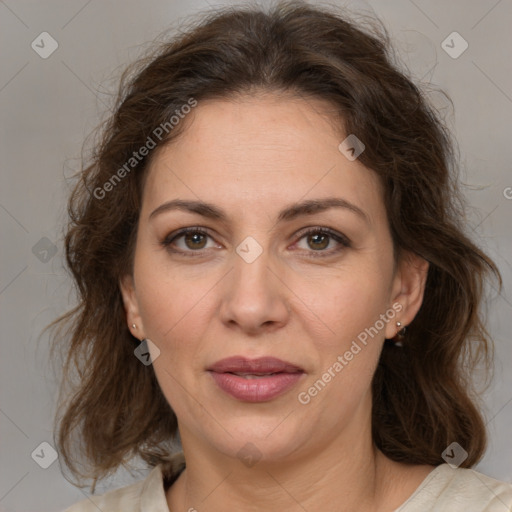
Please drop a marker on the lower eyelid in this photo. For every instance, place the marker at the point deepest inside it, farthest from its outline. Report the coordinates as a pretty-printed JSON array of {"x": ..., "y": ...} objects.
[
  {"x": 324, "y": 253},
  {"x": 342, "y": 242}
]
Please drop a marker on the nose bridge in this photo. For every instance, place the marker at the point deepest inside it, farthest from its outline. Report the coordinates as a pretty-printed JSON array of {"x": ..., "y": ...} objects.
[
  {"x": 251, "y": 267},
  {"x": 254, "y": 295},
  {"x": 252, "y": 278}
]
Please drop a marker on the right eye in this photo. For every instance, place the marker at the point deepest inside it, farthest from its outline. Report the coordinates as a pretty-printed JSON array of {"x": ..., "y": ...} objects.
[{"x": 187, "y": 240}]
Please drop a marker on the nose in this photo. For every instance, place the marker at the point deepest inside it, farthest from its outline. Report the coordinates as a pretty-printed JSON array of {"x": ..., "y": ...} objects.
[{"x": 254, "y": 297}]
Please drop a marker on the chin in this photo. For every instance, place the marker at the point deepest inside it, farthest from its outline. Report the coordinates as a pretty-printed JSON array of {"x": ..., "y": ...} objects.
[{"x": 267, "y": 441}]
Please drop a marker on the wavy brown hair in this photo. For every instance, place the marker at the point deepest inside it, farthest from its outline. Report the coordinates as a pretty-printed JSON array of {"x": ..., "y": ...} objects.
[{"x": 423, "y": 396}]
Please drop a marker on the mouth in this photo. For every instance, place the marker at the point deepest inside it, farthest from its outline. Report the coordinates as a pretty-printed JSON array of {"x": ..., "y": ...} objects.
[
  {"x": 255, "y": 380},
  {"x": 253, "y": 375}
]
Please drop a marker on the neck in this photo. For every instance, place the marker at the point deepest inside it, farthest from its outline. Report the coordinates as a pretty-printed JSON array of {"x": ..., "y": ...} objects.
[{"x": 347, "y": 474}]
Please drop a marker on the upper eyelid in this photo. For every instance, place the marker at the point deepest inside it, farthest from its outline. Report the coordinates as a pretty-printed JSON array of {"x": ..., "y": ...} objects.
[
  {"x": 301, "y": 233},
  {"x": 330, "y": 231}
]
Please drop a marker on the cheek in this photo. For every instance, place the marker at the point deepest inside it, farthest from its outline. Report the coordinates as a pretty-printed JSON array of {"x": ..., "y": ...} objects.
[
  {"x": 175, "y": 310},
  {"x": 168, "y": 298},
  {"x": 348, "y": 350},
  {"x": 341, "y": 305},
  {"x": 174, "y": 320}
]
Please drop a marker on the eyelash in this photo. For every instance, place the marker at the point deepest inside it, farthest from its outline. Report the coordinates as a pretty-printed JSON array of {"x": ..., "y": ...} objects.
[{"x": 342, "y": 240}]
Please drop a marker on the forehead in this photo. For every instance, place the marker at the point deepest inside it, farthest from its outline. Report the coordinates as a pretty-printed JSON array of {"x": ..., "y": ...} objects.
[{"x": 271, "y": 148}]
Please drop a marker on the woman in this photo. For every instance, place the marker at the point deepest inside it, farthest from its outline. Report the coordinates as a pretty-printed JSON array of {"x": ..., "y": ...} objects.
[{"x": 268, "y": 251}]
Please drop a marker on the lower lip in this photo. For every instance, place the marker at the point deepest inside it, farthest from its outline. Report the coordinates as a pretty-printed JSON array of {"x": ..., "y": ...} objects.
[{"x": 259, "y": 389}]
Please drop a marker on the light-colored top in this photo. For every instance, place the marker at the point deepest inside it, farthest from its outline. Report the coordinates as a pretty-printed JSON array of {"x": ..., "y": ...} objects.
[{"x": 445, "y": 489}]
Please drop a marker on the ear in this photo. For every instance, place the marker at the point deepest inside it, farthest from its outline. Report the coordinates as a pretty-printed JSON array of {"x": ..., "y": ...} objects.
[
  {"x": 131, "y": 306},
  {"x": 407, "y": 290}
]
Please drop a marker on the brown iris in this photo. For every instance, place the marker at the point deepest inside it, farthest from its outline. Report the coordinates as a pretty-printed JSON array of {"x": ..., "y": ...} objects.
[
  {"x": 198, "y": 240},
  {"x": 316, "y": 238}
]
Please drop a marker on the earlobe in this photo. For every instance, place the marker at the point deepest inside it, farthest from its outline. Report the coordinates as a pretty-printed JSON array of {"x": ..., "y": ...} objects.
[
  {"x": 131, "y": 306},
  {"x": 409, "y": 288}
]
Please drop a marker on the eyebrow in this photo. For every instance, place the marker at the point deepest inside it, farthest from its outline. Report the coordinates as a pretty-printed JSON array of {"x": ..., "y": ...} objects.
[{"x": 309, "y": 207}]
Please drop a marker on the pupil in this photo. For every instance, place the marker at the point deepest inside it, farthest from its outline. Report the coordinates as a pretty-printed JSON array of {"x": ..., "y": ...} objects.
[
  {"x": 195, "y": 237},
  {"x": 315, "y": 241}
]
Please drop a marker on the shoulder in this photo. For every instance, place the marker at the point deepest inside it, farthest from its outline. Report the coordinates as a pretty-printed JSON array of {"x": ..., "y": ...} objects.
[
  {"x": 147, "y": 494},
  {"x": 125, "y": 498},
  {"x": 459, "y": 490}
]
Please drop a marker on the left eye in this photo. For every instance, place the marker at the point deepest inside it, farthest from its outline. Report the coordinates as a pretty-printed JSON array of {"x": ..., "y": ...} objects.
[{"x": 320, "y": 239}]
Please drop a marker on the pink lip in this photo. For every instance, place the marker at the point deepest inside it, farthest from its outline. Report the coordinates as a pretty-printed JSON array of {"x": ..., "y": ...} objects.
[{"x": 259, "y": 388}]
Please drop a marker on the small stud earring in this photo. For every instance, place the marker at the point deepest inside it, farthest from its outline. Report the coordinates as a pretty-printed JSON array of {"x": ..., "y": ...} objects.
[
  {"x": 400, "y": 335},
  {"x": 134, "y": 326}
]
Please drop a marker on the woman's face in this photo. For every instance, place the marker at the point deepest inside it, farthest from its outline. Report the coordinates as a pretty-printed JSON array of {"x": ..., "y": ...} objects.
[{"x": 268, "y": 275}]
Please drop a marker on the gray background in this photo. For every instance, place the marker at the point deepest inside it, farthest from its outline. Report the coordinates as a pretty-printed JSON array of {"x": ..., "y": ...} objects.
[{"x": 48, "y": 106}]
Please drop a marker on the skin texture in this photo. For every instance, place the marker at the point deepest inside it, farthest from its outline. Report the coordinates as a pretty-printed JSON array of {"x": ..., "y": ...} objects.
[{"x": 252, "y": 157}]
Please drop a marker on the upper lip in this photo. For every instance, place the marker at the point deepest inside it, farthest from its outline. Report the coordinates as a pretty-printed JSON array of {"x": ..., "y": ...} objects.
[{"x": 261, "y": 365}]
